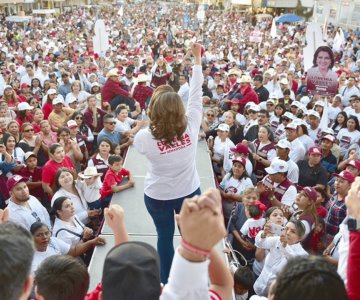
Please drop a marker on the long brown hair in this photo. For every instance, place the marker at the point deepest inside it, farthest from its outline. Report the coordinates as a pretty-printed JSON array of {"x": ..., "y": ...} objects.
[{"x": 167, "y": 114}]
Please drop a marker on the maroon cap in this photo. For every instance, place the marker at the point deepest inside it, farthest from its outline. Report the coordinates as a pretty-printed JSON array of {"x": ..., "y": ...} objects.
[
  {"x": 241, "y": 148},
  {"x": 235, "y": 101},
  {"x": 314, "y": 150},
  {"x": 346, "y": 175},
  {"x": 355, "y": 163},
  {"x": 24, "y": 85},
  {"x": 311, "y": 193},
  {"x": 14, "y": 180},
  {"x": 240, "y": 160}
]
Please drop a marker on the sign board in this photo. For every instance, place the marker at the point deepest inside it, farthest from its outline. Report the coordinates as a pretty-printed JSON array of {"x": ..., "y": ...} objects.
[{"x": 256, "y": 37}]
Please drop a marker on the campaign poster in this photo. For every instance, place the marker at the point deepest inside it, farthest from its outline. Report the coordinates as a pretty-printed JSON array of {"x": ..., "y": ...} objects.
[{"x": 321, "y": 79}]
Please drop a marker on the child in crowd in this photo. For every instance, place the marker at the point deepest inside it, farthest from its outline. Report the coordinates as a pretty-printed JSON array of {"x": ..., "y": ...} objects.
[
  {"x": 275, "y": 217},
  {"x": 117, "y": 149},
  {"x": 243, "y": 282},
  {"x": 113, "y": 179},
  {"x": 255, "y": 223},
  {"x": 34, "y": 175},
  {"x": 320, "y": 201},
  {"x": 90, "y": 185},
  {"x": 318, "y": 237}
]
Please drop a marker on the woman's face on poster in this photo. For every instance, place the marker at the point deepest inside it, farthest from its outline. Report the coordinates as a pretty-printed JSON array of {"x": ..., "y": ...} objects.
[{"x": 323, "y": 60}]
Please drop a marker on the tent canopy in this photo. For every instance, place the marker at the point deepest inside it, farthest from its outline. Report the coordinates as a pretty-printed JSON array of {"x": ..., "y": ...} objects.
[{"x": 18, "y": 19}]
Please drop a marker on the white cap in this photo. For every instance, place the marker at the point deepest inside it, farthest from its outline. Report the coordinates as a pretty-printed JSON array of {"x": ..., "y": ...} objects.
[
  {"x": 72, "y": 99},
  {"x": 284, "y": 81},
  {"x": 277, "y": 166},
  {"x": 24, "y": 106},
  {"x": 328, "y": 131},
  {"x": 51, "y": 92},
  {"x": 223, "y": 127},
  {"x": 270, "y": 100},
  {"x": 254, "y": 107},
  {"x": 58, "y": 100},
  {"x": 305, "y": 100},
  {"x": 71, "y": 124},
  {"x": 283, "y": 144},
  {"x": 291, "y": 125},
  {"x": 296, "y": 103},
  {"x": 320, "y": 103},
  {"x": 28, "y": 154},
  {"x": 289, "y": 115},
  {"x": 314, "y": 113}
]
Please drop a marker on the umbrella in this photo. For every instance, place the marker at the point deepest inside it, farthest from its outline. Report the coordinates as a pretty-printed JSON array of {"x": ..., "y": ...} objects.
[{"x": 289, "y": 18}]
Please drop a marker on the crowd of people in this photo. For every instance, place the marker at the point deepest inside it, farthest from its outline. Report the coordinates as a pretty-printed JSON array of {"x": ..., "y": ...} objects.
[{"x": 285, "y": 159}]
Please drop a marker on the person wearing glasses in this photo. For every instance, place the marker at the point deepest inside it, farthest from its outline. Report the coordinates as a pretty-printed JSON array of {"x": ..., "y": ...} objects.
[{"x": 24, "y": 209}]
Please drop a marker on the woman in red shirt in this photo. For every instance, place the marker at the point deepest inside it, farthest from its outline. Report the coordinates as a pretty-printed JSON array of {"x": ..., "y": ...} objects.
[{"x": 58, "y": 159}]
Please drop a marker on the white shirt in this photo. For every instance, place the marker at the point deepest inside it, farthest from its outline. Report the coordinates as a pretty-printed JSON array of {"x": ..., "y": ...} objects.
[
  {"x": 69, "y": 238},
  {"x": 347, "y": 138},
  {"x": 251, "y": 227},
  {"x": 307, "y": 142},
  {"x": 80, "y": 204},
  {"x": 346, "y": 93},
  {"x": 293, "y": 171},
  {"x": 172, "y": 168},
  {"x": 183, "y": 92},
  {"x": 55, "y": 247},
  {"x": 274, "y": 261},
  {"x": 27, "y": 216},
  {"x": 90, "y": 192},
  {"x": 297, "y": 151},
  {"x": 344, "y": 246},
  {"x": 187, "y": 280},
  {"x": 122, "y": 127},
  {"x": 313, "y": 133},
  {"x": 333, "y": 112}
]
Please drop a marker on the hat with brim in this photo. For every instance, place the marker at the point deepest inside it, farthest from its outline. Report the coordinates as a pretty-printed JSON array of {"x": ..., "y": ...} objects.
[
  {"x": 142, "y": 78},
  {"x": 112, "y": 72},
  {"x": 355, "y": 163},
  {"x": 240, "y": 160},
  {"x": 245, "y": 79},
  {"x": 241, "y": 149},
  {"x": 346, "y": 175},
  {"x": 277, "y": 166},
  {"x": 24, "y": 106},
  {"x": 329, "y": 138},
  {"x": 14, "y": 180},
  {"x": 310, "y": 193},
  {"x": 89, "y": 172}
]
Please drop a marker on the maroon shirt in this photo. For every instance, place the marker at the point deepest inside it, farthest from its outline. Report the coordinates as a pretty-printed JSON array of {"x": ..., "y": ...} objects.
[
  {"x": 35, "y": 176},
  {"x": 88, "y": 118},
  {"x": 112, "y": 89}
]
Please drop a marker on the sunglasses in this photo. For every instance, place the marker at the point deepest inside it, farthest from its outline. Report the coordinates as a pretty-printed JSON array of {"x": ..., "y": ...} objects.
[
  {"x": 29, "y": 130},
  {"x": 286, "y": 120},
  {"x": 210, "y": 115},
  {"x": 78, "y": 118},
  {"x": 111, "y": 123}
]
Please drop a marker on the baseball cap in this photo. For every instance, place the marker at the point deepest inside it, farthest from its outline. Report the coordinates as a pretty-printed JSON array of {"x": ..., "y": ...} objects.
[
  {"x": 346, "y": 175},
  {"x": 241, "y": 149},
  {"x": 14, "y": 180},
  {"x": 270, "y": 101},
  {"x": 291, "y": 125},
  {"x": 254, "y": 107},
  {"x": 314, "y": 113},
  {"x": 24, "y": 85},
  {"x": 328, "y": 131},
  {"x": 51, "y": 92},
  {"x": 71, "y": 124},
  {"x": 235, "y": 101},
  {"x": 284, "y": 81},
  {"x": 320, "y": 103},
  {"x": 355, "y": 163},
  {"x": 240, "y": 160},
  {"x": 329, "y": 138},
  {"x": 289, "y": 115},
  {"x": 28, "y": 155},
  {"x": 129, "y": 266},
  {"x": 72, "y": 99},
  {"x": 277, "y": 166},
  {"x": 283, "y": 144},
  {"x": 305, "y": 100},
  {"x": 314, "y": 150},
  {"x": 24, "y": 106},
  {"x": 310, "y": 192},
  {"x": 297, "y": 104},
  {"x": 58, "y": 100},
  {"x": 223, "y": 127}
]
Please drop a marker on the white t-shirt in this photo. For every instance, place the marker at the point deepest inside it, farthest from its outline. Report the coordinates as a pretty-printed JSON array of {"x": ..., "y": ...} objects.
[
  {"x": 333, "y": 112},
  {"x": 251, "y": 227},
  {"x": 55, "y": 247},
  {"x": 297, "y": 151},
  {"x": 307, "y": 142},
  {"x": 66, "y": 236},
  {"x": 172, "y": 168},
  {"x": 124, "y": 126},
  {"x": 222, "y": 149},
  {"x": 347, "y": 138}
]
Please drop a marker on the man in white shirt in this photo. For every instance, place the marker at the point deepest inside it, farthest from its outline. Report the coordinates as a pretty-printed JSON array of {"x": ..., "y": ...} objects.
[
  {"x": 297, "y": 151},
  {"x": 314, "y": 122},
  {"x": 30, "y": 75},
  {"x": 184, "y": 88},
  {"x": 283, "y": 148},
  {"x": 349, "y": 90},
  {"x": 43, "y": 74},
  {"x": 24, "y": 209}
]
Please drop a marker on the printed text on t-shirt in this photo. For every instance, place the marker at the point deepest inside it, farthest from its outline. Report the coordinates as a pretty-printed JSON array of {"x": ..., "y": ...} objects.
[{"x": 176, "y": 144}]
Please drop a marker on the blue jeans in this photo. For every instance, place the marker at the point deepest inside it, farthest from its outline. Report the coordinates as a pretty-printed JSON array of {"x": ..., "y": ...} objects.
[{"x": 163, "y": 215}]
